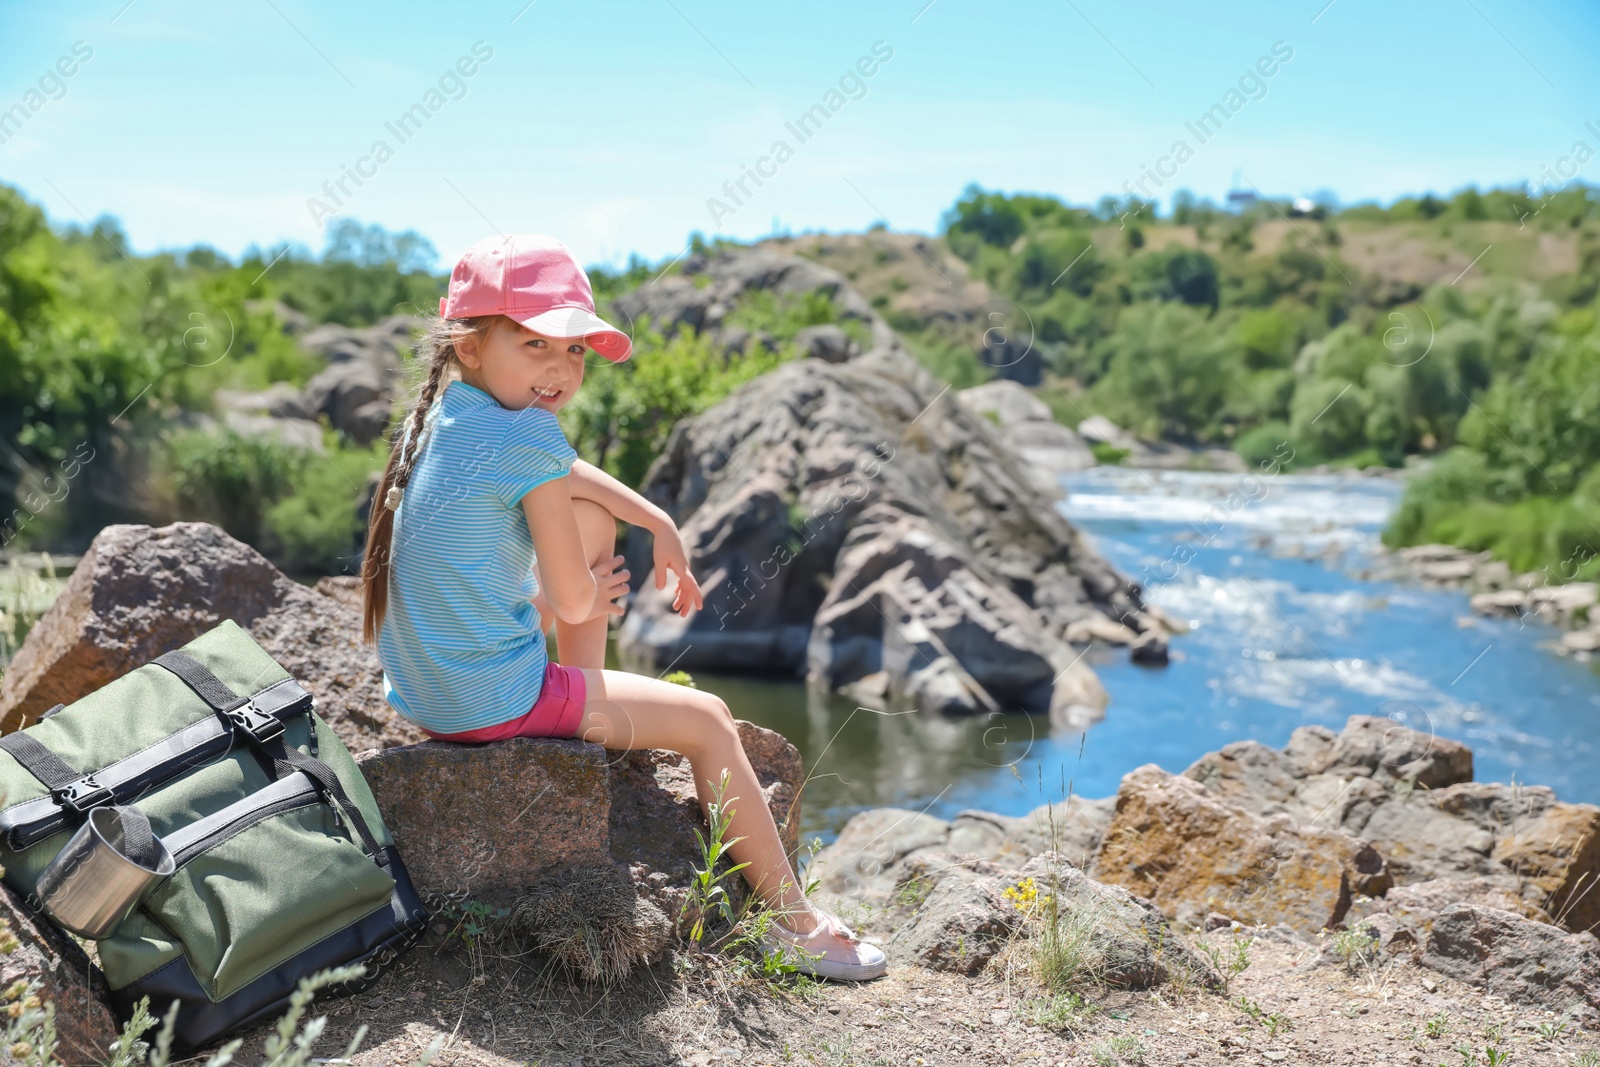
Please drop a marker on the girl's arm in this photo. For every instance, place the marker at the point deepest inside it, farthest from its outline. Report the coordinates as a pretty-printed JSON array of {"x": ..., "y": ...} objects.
[
  {"x": 569, "y": 585},
  {"x": 591, "y": 483}
]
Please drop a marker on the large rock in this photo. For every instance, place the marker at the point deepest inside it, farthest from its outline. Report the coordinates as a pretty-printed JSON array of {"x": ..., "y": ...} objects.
[
  {"x": 849, "y": 520},
  {"x": 962, "y": 924},
  {"x": 770, "y": 485},
  {"x": 38, "y": 952},
  {"x": 139, "y": 592},
  {"x": 1128, "y": 942},
  {"x": 490, "y": 821},
  {"x": 487, "y": 821},
  {"x": 906, "y": 601},
  {"x": 1409, "y": 794},
  {"x": 1516, "y": 958},
  {"x": 868, "y": 857},
  {"x": 882, "y": 848},
  {"x": 972, "y": 909},
  {"x": 1192, "y": 854},
  {"x": 1414, "y": 907},
  {"x": 1559, "y": 853},
  {"x": 1382, "y": 748},
  {"x": 1026, "y": 424}
]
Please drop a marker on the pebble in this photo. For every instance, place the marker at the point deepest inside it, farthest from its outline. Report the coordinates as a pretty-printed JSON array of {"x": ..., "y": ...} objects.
[{"x": 833, "y": 1009}]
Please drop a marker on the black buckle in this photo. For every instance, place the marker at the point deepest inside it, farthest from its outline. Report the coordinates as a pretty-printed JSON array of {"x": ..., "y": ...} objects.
[
  {"x": 261, "y": 726},
  {"x": 82, "y": 795}
]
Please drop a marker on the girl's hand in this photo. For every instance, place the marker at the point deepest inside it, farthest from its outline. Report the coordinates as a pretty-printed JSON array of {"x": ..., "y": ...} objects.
[
  {"x": 609, "y": 584},
  {"x": 670, "y": 556}
]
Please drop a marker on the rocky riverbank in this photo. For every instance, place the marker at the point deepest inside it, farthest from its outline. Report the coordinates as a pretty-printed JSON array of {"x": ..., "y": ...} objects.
[
  {"x": 1537, "y": 596},
  {"x": 1352, "y": 898}
]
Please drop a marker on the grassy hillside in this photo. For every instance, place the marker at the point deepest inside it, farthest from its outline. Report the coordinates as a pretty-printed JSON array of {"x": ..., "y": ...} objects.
[{"x": 1462, "y": 331}]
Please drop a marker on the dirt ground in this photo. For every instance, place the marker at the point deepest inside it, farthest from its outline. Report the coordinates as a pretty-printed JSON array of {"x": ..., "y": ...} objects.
[{"x": 499, "y": 1009}]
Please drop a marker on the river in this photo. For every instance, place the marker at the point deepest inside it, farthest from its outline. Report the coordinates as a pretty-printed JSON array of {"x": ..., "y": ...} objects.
[{"x": 1291, "y": 625}]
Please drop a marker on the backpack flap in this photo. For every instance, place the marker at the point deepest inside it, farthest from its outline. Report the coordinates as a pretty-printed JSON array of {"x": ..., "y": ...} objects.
[{"x": 136, "y": 733}]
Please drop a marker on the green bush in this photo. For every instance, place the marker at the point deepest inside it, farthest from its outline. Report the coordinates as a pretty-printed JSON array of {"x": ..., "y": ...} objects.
[
  {"x": 298, "y": 507},
  {"x": 231, "y": 479}
]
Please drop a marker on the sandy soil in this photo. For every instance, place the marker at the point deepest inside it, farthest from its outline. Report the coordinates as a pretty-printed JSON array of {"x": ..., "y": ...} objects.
[{"x": 502, "y": 1009}]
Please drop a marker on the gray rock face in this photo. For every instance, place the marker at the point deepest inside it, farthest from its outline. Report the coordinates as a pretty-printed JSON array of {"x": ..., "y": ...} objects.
[
  {"x": 1130, "y": 943},
  {"x": 949, "y": 909},
  {"x": 365, "y": 371},
  {"x": 880, "y": 849},
  {"x": 1513, "y": 957},
  {"x": 963, "y": 923},
  {"x": 1025, "y": 423},
  {"x": 1413, "y": 908},
  {"x": 848, "y": 519},
  {"x": 357, "y": 390},
  {"x": 676, "y": 302},
  {"x": 828, "y": 343},
  {"x": 1192, "y": 854}
]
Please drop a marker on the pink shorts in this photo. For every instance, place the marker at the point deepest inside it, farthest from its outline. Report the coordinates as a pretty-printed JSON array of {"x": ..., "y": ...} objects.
[{"x": 555, "y": 714}]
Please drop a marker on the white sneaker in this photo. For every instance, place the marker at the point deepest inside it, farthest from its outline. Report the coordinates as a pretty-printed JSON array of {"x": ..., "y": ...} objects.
[{"x": 832, "y": 950}]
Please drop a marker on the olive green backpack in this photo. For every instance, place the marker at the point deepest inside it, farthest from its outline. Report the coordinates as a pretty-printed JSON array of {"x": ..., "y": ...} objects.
[{"x": 284, "y": 866}]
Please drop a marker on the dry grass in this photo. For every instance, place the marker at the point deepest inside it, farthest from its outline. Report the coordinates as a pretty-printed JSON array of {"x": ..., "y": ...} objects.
[{"x": 598, "y": 934}]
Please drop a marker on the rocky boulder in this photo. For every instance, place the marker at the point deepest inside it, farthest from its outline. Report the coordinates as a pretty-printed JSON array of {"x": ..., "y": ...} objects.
[
  {"x": 1128, "y": 942},
  {"x": 356, "y": 390},
  {"x": 139, "y": 592},
  {"x": 1410, "y": 795},
  {"x": 38, "y": 952},
  {"x": 1026, "y": 424},
  {"x": 1513, "y": 957},
  {"x": 680, "y": 301},
  {"x": 1192, "y": 854},
  {"x": 489, "y": 822},
  {"x": 882, "y": 848},
  {"x": 849, "y": 520},
  {"x": 1413, "y": 908},
  {"x": 962, "y": 924}
]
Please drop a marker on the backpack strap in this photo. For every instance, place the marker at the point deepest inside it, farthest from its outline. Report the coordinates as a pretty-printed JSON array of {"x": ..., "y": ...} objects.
[
  {"x": 72, "y": 789},
  {"x": 265, "y": 734}
]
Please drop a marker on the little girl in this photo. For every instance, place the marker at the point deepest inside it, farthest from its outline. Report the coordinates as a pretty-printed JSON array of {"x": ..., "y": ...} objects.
[{"x": 481, "y": 485}]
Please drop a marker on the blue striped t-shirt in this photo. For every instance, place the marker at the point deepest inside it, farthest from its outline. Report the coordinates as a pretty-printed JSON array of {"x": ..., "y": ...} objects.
[{"x": 461, "y": 643}]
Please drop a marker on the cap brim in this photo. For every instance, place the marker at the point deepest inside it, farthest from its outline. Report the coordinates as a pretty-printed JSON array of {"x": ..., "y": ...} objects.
[{"x": 596, "y": 332}]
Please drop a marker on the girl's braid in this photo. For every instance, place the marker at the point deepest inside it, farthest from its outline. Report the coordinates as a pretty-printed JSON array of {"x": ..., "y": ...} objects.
[
  {"x": 419, "y": 414},
  {"x": 439, "y": 343}
]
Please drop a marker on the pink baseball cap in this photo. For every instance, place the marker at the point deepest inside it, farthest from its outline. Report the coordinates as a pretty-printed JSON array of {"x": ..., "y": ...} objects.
[{"x": 534, "y": 280}]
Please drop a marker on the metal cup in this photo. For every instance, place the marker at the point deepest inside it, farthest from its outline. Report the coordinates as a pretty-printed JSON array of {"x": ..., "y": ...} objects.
[{"x": 92, "y": 885}]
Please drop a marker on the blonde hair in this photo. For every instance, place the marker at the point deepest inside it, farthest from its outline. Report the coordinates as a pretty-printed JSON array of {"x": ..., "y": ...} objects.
[{"x": 437, "y": 347}]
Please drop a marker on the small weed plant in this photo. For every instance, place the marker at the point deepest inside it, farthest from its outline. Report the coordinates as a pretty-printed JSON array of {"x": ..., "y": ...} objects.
[
  {"x": 1064, "y": 1012},
  {"x": 1356, "y": 948},
  {"x": 707, "y": 897},
  {"x": 31, "y": 1036},
  {"x": 1230, "y": 960},
  {"x": 472, "y": 923}
]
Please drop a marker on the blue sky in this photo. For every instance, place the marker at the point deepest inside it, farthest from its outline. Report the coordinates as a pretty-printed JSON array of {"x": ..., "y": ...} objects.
[{"x": 612, "y": 125}]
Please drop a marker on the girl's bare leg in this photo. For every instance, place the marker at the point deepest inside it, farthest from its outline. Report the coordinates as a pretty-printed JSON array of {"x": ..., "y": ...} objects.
[
  {"x": 583, "y": 644},
  {"x": 625, "y": 711}
]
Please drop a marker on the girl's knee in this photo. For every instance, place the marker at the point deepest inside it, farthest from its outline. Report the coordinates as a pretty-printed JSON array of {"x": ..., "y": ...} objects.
[
  {"x": 716, "y": 728},
  {"x": 597, "y": 528}
]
